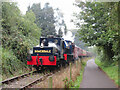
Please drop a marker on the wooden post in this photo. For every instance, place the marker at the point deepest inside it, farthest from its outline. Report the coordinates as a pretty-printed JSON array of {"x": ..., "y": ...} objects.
[
  {"x": 79, "y": 60},
  {"x": 76, "y": 64},
  {"x": 70, "y": 72},
  {"x": 50, "y": 82}
]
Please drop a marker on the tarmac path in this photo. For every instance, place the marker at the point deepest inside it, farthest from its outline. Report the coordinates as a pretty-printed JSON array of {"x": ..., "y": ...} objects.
[{"x": 93, "y": 77}]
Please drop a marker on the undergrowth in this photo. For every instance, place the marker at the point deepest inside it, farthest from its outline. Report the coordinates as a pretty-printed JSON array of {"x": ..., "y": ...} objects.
[
  {"x": 80, "y": 77},
  {"x": 10, "y": 64}
]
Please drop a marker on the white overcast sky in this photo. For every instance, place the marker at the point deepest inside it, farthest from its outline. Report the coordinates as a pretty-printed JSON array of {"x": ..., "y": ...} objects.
[{"x": 66, "y": 7}]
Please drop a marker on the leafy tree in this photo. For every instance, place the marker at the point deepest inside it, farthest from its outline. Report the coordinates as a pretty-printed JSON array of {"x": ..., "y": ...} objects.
[
  {"x": 44, "y": 18},
  {"x": 19, "y": 34},
  {"x": 99, "y": 27},
  {"x": 65, "y": 30},
  {"x": 60, "y": 33},
  {"x": 0, "y": 21},
  {"x": 50, "y": 20}
]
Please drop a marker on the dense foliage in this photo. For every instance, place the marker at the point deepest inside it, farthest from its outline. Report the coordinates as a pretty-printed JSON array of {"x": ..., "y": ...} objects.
[
  {"x": 10, "y": 63},
  {"x": 98, "y": 23},
  {"x": 19, "y": 35}
]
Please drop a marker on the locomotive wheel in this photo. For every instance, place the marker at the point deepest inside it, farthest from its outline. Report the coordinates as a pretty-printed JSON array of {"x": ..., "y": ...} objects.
[
  {"x": 63, "y": 63},
  {"x": 58, "y": 65},
  {"x": 36, "y": 67},
  {"x": 68, "y": 63},
  {"x": 51, "y": 68}
]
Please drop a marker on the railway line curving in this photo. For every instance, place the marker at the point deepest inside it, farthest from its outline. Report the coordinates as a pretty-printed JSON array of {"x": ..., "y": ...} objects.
[{"x": 26, "y": 80}]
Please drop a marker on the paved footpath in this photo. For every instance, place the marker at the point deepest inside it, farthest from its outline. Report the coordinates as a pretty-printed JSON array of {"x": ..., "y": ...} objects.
[{"x": 93, "y": 77}]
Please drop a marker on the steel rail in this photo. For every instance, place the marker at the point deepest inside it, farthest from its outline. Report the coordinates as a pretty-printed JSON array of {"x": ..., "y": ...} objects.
[
  {"x": 7, "y": 81},
  {"x": 36, "y": 81}
]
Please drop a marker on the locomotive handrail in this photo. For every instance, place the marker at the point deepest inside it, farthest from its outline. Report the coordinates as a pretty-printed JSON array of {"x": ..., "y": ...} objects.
[{"x": 37, "y": 59}]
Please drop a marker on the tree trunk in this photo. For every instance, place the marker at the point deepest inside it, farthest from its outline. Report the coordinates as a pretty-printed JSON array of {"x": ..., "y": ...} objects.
[{"x": 108, "y": 53}]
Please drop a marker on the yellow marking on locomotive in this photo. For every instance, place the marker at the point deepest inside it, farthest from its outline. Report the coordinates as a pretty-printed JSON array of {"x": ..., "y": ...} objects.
[{"x": 42, "y": 51}]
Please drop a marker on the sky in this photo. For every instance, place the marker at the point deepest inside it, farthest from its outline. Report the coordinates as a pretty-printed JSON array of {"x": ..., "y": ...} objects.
[{"x": 66, "y": 7}]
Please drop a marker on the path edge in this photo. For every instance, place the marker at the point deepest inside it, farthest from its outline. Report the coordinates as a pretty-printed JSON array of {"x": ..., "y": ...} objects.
[{"x": 109, "y": 77}]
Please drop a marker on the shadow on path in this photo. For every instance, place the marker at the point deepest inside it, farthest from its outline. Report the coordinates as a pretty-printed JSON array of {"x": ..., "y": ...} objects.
[{"x": 93, "y": 77}]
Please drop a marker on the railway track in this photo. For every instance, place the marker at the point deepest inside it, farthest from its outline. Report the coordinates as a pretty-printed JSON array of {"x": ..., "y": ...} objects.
[
  {"x": 7, "y": 81},
  {"x": 36, "y": 81},
  {"x": 26, "y": 80}
]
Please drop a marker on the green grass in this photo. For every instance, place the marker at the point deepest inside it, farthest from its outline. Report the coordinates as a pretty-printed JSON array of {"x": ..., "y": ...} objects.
[
  {"x": 111, "y": 70},
  {"x": 11, "y": 66},
  {"x": 0, "y": 78},
  {"x": 79, "y": 80}
]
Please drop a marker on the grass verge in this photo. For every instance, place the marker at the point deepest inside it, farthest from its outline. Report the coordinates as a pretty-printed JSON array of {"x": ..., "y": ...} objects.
[
  {"x": 111, "y": 70},
  {"x": 80, "y": 77}
]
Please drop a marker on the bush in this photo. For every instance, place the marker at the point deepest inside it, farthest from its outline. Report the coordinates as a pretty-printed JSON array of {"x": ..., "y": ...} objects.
[
  {"x": 10, "y": 63},
  {"x": 19, "y": 35}
]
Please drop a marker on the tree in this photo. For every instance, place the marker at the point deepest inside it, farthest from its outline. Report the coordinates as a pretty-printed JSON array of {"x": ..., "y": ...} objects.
[
  {"x": 99, "y": 27},
  {"x": 19, "y": 33},
  {"x": 65, "y": 30},
  {"x": 0, "y": 21},
  {"x": 49, "y": 19},
  {"x": 60, "y": 33},
  {"x": 44, "y": 18}
]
